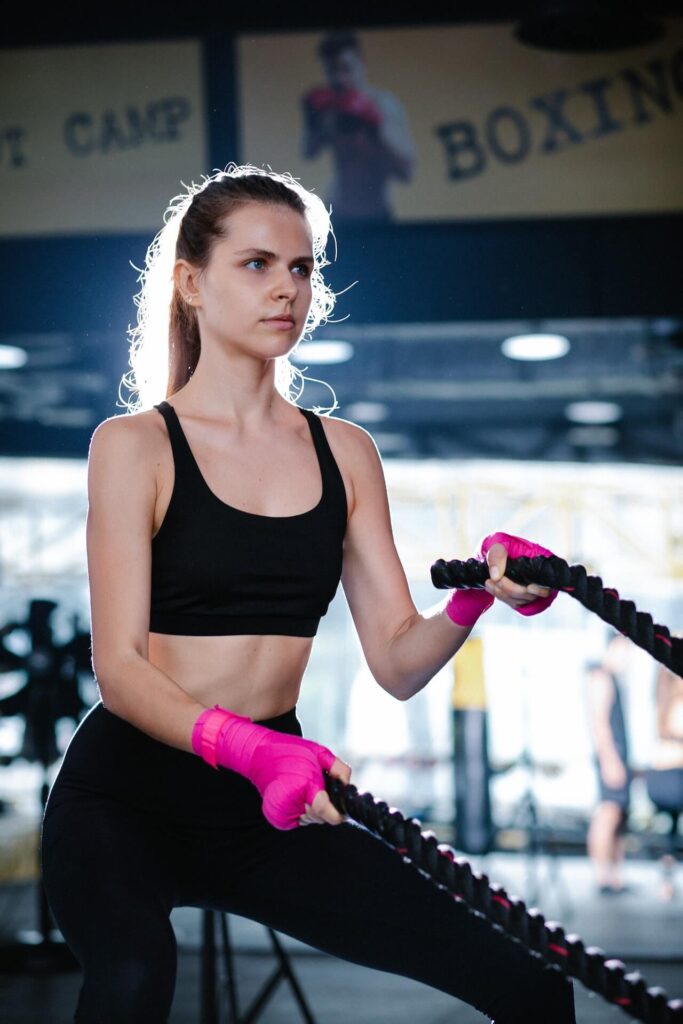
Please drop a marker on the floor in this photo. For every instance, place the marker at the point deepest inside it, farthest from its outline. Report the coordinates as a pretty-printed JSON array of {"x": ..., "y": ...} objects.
[{"x": 637, "y": 927}]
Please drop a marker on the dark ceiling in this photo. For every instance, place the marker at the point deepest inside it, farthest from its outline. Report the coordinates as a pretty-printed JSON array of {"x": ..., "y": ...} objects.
[
  {"x": 81, "y": 21},
  {"x": 427, "y": 376}
]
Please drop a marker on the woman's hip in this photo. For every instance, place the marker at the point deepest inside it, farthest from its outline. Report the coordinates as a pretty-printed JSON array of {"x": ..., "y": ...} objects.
[{"x": 108, "y": 757}]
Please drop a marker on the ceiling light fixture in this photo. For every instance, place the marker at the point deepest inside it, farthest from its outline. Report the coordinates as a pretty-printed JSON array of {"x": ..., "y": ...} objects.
[
  {"x": 12, "y": 357},
  {"x": 593, "y": 412},
  {"x": 535, "y": 346},
  {"x": 322, "y": 352},
  {"x": 368, "y": 412}
]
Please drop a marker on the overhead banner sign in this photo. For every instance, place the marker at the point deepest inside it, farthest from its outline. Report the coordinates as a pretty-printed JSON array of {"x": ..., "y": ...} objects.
[
  {"x": 98, "y": 137},
  {"x": 465, "y": 121}
]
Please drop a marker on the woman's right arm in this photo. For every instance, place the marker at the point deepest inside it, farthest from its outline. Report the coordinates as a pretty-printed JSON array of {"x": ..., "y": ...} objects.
[
  {"x": 121, "y": 501},
  {"x": 287, "y": 770}
]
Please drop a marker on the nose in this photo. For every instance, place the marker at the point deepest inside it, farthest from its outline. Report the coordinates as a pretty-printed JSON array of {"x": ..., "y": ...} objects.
[{"x": 285, "y": 285}]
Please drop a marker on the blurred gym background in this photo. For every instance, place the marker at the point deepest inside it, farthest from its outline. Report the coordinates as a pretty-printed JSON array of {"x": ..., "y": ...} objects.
[{"x": 509, "y": 329}]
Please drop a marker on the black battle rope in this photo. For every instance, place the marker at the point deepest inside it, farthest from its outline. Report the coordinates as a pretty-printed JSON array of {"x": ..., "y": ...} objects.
[
  {"x": 588, "y": 964},
  {"x": 554, "y": 572}
]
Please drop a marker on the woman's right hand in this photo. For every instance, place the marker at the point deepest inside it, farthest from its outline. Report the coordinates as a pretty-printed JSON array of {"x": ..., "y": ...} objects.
[
  {"x": 322, "y": 811},
  {"x": 287, "y": 770}
]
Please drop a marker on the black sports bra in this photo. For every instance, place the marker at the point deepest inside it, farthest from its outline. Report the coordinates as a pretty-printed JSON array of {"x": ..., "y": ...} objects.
[{"x": 219, "y": 570}]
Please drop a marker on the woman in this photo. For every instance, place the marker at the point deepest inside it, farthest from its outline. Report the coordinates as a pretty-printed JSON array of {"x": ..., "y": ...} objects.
[{"x": 219, "y": 526}]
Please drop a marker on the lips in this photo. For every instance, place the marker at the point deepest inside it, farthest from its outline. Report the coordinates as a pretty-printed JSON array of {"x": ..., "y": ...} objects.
[{"x": 280, "y": 320}]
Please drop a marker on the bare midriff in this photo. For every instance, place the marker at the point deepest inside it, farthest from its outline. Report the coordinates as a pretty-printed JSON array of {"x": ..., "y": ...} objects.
[{"x": 258, "y": 676}]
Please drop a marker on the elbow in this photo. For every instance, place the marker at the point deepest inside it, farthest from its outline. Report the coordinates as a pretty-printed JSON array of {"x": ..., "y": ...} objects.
[
  {"x": 107, "y": 690},
  {"x": 389, "y": 669},
  {"x": 108, "y": 694},
  {"x": 400, "y": 688},
  {"x": 111, "y": 676},
  {"x": 396, "y": 693}
]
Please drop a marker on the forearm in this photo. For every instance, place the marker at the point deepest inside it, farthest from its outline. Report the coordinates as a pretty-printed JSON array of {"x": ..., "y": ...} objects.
[
  {"x": 419, "y": 649},
  {"x": 142, "y": 694},
  {"x": 398, "y": 152}
]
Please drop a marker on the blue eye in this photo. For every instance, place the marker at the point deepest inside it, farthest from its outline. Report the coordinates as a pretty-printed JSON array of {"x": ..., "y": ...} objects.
[
  {"x": 305, "y": 268},
  {"x": 256, "y": 259}
]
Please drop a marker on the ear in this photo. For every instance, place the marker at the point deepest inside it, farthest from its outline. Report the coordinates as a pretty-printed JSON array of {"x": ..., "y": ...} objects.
[{"x": 186, "y": 277}]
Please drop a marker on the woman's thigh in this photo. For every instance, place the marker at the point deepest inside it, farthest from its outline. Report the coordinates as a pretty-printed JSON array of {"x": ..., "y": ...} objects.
[
  {"x": 111, "y": 888},
  {"x": 345, "y": 891}
]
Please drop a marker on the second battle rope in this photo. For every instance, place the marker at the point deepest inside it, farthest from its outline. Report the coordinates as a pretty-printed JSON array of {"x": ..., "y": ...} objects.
[
  {"x": 589, "y": 965},
  {"x": 557, "y": 574}
]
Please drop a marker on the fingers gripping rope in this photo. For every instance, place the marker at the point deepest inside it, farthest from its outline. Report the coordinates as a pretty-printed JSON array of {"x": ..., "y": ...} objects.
[
  {"x": 554, "y": 572},
  {"x": 589, "y": 965}
]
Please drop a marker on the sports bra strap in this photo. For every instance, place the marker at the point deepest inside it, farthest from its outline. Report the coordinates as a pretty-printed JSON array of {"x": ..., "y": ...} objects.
[
  {"x": 322, "y": 447},
  {"x": 182, "y": 453}
]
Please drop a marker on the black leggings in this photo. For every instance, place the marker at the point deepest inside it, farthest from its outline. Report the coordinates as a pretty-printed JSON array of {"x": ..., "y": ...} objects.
[{"x": 134, "y": 827}]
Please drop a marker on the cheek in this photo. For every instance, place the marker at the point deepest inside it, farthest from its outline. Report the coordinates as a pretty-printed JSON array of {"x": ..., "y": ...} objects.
[{"x": 229, "y": 301}]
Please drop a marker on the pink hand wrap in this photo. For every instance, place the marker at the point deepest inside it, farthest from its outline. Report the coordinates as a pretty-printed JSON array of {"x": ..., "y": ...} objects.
[
  {"x": 286, "y": 770},
  {"x": 465, "y": 606}
]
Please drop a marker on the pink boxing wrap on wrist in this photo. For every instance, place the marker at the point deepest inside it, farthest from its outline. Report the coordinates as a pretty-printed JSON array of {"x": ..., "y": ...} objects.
[
  {"x": 465, "y": 606},
  {"x": 205, "y": 733},
  {"x": 286, "y": 770}
]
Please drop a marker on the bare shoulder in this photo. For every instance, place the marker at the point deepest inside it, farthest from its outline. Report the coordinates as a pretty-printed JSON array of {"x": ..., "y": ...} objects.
[
  {"x": 354, "y": 444},
  {"x": 131, "y": 445},
  {"x": 139, "y": 432},
  {"x": 357, "y": 456}
]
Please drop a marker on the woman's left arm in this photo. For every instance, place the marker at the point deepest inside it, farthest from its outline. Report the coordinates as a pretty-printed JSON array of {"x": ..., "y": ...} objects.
[{"x": 404, "y": 648}]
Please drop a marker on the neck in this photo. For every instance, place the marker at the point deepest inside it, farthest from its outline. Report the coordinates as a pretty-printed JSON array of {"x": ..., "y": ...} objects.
[{"x": 237, "y": 389}]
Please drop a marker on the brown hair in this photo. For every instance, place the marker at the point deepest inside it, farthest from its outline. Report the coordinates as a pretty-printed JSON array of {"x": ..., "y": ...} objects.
[{"x": 165, "y": 344}]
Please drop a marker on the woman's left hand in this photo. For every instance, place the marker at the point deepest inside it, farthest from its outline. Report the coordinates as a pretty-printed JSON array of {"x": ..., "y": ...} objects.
[{"x": 527, "y": 600}]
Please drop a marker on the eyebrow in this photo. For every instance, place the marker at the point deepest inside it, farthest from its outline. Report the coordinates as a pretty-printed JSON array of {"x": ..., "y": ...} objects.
[{"x": 267, "y": 254}]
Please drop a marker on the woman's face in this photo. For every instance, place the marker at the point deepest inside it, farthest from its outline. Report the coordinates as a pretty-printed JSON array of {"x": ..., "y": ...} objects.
[{"x": 260, "y": 271}]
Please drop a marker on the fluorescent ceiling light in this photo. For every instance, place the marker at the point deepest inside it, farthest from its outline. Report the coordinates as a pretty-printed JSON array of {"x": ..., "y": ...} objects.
[
  {"x": 535, "y": 346},
  {"x": 369, "y": 412},
  {"x": 323, "y": 352},
  {"x": 12, "y": 357},
  {"x": 593, "y": 412}
]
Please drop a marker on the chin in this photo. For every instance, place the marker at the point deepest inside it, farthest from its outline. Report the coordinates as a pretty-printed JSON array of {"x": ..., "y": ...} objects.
[{"x": 281, "y": 351}]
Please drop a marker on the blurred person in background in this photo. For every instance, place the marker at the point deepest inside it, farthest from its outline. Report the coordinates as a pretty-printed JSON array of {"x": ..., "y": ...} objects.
[
  {"x": 664, "y": 778},
  {"x": 608, "y": 731},
  {"x": 365, "y": 128}
]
